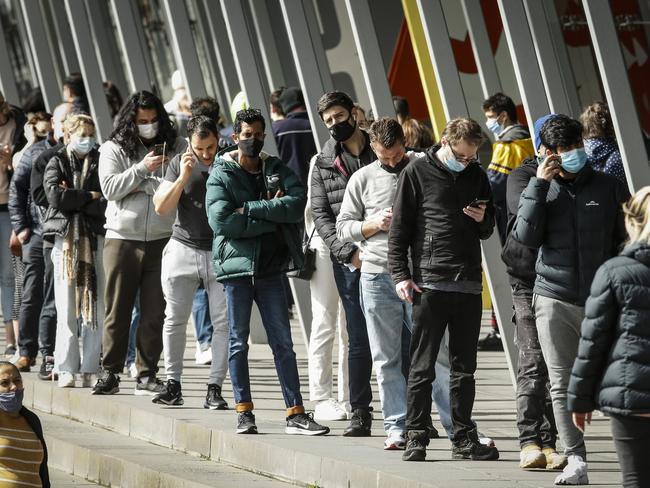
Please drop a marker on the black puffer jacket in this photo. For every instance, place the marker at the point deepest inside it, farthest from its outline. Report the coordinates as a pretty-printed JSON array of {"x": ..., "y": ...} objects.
[
  {"x": 577, "y": 225},
  {"x": 612, "y": 370},
  {"x": 519, "y": 259},
  {"x": 428, "y": 220},
  {"x": 64, "y": 202},
  {"x": 328, "y": 181}
]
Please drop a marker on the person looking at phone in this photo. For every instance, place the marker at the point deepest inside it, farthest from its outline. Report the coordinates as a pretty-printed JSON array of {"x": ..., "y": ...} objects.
[
  {"x": 573, "y": 215},
  {"x": 257, "y": 238},
  {"x": 187, "y": 262},
  {"x": 129, "y": 174},
  {"x": 435, "y": 224}
]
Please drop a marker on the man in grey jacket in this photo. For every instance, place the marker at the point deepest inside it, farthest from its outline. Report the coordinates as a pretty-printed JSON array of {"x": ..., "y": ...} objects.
[{"x": 131, "y": 167}]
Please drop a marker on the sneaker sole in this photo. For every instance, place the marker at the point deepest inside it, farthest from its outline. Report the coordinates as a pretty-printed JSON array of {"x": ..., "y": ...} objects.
[
  {"x": 491, "y": 457},
  {"x": 175, "y": 403},
  {"x": 414, "y": 456},
  {"x": 331, "y": 418},
  {"x": 535, "y": 464},
  {"x": 394, "y": 447},
  {"x": 111, "y": 392},
  {"x": 247, "y": 430},
  {"x": 299, "y": 431},
  {"x": 220, "y": 407},
  {"x": 146, "y": 393},
  {"x": 356, "y": 433}
]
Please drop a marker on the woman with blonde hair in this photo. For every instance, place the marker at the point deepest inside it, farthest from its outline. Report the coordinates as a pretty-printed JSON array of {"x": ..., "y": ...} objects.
[
  {"x": 75, "y": 218},
  {"x": 611, "y": 370}
]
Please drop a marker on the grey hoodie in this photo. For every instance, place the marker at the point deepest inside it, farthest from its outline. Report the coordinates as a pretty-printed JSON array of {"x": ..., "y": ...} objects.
[{"x": 129, "y": 187}]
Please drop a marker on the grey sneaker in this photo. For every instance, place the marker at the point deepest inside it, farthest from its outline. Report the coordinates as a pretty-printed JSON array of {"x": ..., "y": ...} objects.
[{"x": 152, "y": 386}]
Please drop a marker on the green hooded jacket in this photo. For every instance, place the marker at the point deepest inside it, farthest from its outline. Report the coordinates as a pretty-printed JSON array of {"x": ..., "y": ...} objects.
[{"x": 238, "y": 237}]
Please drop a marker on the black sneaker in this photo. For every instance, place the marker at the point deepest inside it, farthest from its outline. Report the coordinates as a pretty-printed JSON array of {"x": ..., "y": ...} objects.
[
  {"x": 153, "y": 386},
  {"x": 416, "y": 446},
  {"x": 360, "y": 423},
  {"x": 471, "y": 448},
  {"x": 246, "y": 423},
  {"x": 213, "y": 399},
  {"x": 491, "y": 342},
  {"x": 107, "y": 384},
  {"x": 47, "y": 366},
  {"x": 304, "y": 424},
  {"x": 171, "y": 396},
  {"x": 10, "y": 350}
]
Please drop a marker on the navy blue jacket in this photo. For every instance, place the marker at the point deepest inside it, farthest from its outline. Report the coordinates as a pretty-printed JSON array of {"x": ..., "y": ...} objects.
[{"x": 295, "y": 141}]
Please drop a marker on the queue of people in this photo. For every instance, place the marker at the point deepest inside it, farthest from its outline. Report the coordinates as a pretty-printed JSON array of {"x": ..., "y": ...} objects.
[{"x": 170, "y": 224}]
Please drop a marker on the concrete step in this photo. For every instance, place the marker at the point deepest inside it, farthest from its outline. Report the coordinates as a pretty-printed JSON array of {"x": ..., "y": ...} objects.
[
  {"x": 110, "y": 459},
  {"x": 61, "y": 479}
]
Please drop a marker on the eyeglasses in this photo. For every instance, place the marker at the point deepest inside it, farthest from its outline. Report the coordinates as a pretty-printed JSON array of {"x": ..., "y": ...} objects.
[{"x": 463, "y": 160}]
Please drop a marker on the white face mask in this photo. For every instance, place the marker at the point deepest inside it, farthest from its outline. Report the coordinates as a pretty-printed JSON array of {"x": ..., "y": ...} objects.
[{"x": 148, "y": 131}]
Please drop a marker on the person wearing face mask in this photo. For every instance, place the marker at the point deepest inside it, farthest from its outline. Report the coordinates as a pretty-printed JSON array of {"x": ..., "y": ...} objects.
[
  {"x": 573, "y": 215},
  {"x": 23, "y": 452},
  {"x": 26, "y": 222},
  {"x": 131, "y": 167},
  {"x": 535, "y": 421},
  {"x": 442, "y": 210},
  {"x": 255, "y": 204},
  {"x": 75, "y": 220},
  {"x": 512, "y": 144},
  {"x": 347, "y": 150},
  {"x": 187, "y": 263}
]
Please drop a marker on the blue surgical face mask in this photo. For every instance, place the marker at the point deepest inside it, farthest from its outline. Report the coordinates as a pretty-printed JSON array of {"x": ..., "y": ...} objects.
[
  {"x": 11, "y": 401},
  {"x": 573, "y": 161},
  {"x": 452, "y": 163},
  {"x": 494, "y": 126},
  {"x": 82, "y": 145}
]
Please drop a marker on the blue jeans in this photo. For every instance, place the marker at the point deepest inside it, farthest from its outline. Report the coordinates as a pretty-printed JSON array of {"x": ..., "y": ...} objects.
[
  {"x": 133, "y": 331},
  {"x": 268, "y": 293},
  {"x": 202, "y": 320},
  {"x": 386, "y": 315},
  {"x": 359, "y": 356}
]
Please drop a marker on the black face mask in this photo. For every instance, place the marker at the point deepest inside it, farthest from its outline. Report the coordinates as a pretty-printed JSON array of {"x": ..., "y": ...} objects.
[
  {"x": 342, "y": 131},
  {"x": 250, "y": 148}
]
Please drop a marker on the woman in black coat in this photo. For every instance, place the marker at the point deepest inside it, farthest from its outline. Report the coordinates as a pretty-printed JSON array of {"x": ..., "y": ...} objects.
[{"x": 612, "y": 370}]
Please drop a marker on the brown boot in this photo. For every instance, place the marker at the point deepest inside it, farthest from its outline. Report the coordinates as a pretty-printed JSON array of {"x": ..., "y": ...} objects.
[{"x": 24, "y": 364}]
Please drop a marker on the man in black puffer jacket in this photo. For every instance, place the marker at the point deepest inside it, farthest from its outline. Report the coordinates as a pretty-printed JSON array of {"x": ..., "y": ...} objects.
[
  {"x": 442, "y": 210},
  {"x": 344, "y": 153},
  {"x": 535, "y": 421},
  {"x": 573, "y": 214}
]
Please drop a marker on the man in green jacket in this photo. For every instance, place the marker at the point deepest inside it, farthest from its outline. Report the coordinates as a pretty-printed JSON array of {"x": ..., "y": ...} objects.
[{"x": 254, "y": 205}]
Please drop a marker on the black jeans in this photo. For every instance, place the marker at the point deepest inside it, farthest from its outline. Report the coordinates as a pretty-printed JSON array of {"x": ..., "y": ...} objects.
[
  {"x": 359, "y": 357},
  {"x": 30, "y": 308},
  {"x": 535, "y": 419},
  {"x": 631, "y": 438},
  {"x": 47, "y": 326},
  {"x": 433, "y": 311}
]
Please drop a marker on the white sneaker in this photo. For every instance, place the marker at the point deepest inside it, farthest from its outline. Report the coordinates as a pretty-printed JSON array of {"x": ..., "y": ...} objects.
[
  {"x": 87, "y": 380},
  {"x": 485, "y": 440},
  {"x": 203, "y": 357},
  {"x": 133, "y": 370},
  {"x": 66, "y": 380},
  {"x": 395, "y": 442},
  {"x": 575, "y": 472},
  {"x": 330, "y": 409}
]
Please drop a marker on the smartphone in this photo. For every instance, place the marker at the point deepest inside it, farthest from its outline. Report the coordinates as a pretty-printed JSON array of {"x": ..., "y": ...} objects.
[
  {"x": 159, "y": 149},
  {"x": 479, "y": 201}
]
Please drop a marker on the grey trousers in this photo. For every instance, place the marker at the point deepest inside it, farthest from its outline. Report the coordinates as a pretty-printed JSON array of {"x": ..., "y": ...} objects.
[
  {"x": 558, "y": 327},
  {"x": 183, "y": 269}
]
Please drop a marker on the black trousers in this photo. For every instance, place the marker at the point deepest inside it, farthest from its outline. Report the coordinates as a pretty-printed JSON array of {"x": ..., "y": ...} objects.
[
  {"x": 47, "y": 326},
  {"x": 131, "y": 266},
  {"x": 631, "y": 438},
  {"x": 535, "y": 419},
  {"x": 433, "y": 312},
  {"x": 30, "y": 308}
]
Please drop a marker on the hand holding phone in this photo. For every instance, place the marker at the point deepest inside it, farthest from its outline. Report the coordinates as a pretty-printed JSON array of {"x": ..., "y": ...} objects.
[{"x": 477, "y": 202}]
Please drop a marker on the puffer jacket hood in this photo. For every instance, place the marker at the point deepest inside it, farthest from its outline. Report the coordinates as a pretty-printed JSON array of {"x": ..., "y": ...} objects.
[
  {"x": 611, "y": 370},
  {"x": 605, "y": 157},
  {"x": 514, "y": 133}
]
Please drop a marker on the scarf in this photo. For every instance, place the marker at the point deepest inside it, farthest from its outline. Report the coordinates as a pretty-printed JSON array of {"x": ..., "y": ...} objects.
[{"x": 78, "y": 258}]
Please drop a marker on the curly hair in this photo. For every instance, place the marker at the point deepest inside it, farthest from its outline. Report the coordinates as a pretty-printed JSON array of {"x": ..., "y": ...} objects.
[
  {"x": 561, "y": 131},
  {"x": 125, "y": 131},
  {"x": 597, "y": 122},
  {"x": 248, "y": 116}
]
